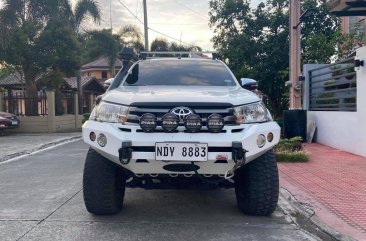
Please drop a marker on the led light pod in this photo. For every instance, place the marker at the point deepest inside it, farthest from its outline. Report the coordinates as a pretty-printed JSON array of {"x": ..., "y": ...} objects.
[
  {"x": 148, "y": 122},
  {"x": 170, "y": 122},
  {"x": 215, "y": 123},
  {"x": 193, "y": 123}
]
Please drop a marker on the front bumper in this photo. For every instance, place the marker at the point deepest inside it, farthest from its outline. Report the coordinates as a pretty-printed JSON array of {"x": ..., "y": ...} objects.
[{"x": 143, "y": 144}]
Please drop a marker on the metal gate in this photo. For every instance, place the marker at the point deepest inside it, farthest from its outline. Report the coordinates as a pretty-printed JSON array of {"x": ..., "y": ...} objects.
[
  {"x": 15, "y": 102},
  {"x": 333, "y": 87}
]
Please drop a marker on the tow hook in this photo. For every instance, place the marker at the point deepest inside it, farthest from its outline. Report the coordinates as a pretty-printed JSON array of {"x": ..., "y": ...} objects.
[
  {"x": 125, "y": 153},
  {"x": 238, "y": 155}
]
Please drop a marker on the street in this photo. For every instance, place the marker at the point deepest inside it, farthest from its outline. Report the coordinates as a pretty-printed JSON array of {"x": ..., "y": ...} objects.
[{"x": 41, "y": 199}]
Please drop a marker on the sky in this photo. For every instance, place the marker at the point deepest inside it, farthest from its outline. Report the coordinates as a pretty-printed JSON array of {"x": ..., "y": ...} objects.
[
  {"x": 185, "y": 20},
  {"x": 180, "y": 19}
]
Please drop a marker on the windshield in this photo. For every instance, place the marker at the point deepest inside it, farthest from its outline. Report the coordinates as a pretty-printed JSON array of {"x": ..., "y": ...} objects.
[{"x": 180, "y": 72}]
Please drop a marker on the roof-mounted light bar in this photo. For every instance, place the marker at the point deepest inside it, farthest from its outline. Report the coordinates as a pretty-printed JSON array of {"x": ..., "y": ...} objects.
[{"x": 177, "y": 54}]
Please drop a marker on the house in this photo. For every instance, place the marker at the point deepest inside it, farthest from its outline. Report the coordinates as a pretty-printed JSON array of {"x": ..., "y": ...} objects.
[
  {"x": 14, "y": 97},
  {"x": 99, "y": 69},
  {"x": 353, "y": 14}
]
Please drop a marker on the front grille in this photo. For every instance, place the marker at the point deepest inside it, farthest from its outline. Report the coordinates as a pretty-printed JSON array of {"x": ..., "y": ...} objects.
[{"x": 204, "y": 110}]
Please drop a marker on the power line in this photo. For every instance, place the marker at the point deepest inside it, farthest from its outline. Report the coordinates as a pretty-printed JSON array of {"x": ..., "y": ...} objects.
[
  {"x": 163, "y": 34},
  {"x": 192, "y": 10},
  {"x": 156, "y": 31},
  {"x": 131, "y": 12},
  {"x": 184, "y": 24}
]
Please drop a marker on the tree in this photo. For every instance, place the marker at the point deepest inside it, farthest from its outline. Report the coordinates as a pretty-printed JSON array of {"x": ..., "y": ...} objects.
[
  {"x": 84, "y": 10},
  {"x": 255, "y": 42},
  {"x": 131, "y": 36},
  {"x": 320, "y": 34},
  {"x": 23, "y": 22},
  {"x": 160, "y": 44},
  {"x": 102, "y": 42}
]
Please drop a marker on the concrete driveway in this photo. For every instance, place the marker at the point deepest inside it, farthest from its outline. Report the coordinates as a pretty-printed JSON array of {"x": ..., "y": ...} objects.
[{"x": 41, "y": 199}]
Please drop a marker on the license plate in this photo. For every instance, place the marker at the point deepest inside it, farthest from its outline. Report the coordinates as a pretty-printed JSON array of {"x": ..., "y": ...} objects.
[
  {"x": 14, "y": 123},
  {"x": 170, "y": 151}
]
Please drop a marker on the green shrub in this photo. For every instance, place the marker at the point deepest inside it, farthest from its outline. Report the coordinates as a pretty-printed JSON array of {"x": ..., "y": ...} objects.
[
  {"x": 290, "y": 150},
  {"x": 85, "y": 117},
  {"x": 298, "y": 156},
  {"x": 289, "y": 145}
]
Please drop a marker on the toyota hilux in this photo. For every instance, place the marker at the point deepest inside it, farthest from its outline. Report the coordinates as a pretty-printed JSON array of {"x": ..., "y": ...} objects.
[{"x": 175, "y": 123}]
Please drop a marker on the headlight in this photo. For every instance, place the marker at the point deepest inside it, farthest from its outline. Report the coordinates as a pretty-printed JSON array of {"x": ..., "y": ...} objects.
[
  {"x": 252, "y": 113},
  {"x": 113, "y": 113}
]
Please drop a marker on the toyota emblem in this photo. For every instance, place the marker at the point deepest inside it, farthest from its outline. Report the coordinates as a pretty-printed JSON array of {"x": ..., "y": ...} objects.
[{"x": 181, "y": 112}]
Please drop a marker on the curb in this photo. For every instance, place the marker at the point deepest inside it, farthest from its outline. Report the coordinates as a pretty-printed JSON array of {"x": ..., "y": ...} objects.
[
  {"x": 306, "y": 218},
  {"x": 49, "y": 145}
]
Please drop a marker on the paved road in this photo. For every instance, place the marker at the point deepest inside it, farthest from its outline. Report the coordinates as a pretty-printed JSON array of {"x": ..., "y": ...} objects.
[
  {"x": 41, "y": 199},
  {"x": 16, "y": 144}
]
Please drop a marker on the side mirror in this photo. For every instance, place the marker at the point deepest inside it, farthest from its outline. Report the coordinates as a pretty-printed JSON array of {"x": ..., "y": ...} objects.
[
  {"x": 108, "y": 82},
  {"x": 249, "y": 84}
]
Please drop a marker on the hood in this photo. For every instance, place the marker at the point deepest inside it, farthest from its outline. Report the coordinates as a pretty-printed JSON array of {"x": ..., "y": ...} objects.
[
  {"x": 235, "y": 95},
  {"x": 6, "y": 115}
]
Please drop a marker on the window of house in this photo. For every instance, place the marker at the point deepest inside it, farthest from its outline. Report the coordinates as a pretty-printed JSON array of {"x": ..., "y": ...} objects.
[{"x": 104, "y": 74}]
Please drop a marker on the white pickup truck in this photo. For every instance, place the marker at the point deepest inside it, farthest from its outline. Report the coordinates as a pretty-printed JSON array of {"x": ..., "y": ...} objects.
[{"x": 180, "y": 123}]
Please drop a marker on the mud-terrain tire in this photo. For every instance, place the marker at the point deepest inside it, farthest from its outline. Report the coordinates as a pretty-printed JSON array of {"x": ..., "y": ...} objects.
[
  {"x": 257, "y": 187},
  {"x": 103, "y": 185}
]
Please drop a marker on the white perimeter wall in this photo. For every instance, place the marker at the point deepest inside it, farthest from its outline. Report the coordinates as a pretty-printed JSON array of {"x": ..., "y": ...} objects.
[{"x": 345, "y": 130}]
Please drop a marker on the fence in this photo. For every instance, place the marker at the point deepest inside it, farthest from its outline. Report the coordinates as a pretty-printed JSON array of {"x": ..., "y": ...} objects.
[
  {"x": 64, "y": 104},
  {"x": 340, "y": 115},
  {"x": 15, "y": 102},
  {"x": 49, "y": 121},
  {"x": 333, "y": 87}
]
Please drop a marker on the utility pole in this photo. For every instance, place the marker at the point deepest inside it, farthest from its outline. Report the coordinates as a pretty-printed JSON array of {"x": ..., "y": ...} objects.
[
  {"x": 110, "y": 14},
  {"x": 295, "y": 55},
  {"x": 146, "y": 28}
]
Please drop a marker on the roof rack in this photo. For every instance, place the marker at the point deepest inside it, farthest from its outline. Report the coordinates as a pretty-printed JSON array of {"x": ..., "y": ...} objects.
[{"x": 177, "y": 54}]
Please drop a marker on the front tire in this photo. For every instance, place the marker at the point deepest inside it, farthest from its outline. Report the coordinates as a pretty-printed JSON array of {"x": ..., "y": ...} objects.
[
  {"x": 103, "y": 185},
  {"x": 257, "y": 186}
]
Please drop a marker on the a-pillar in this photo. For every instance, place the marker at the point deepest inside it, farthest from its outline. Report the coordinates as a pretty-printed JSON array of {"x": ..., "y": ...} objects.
[{"x": 91, "y": 102}]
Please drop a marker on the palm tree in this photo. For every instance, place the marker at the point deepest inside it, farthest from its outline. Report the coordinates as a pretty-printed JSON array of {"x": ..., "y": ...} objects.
[
  {"x": 83, "y": 10},
  {"x": 131, "y": 36},
  {"x": 103, "y": 42},
  {"x": 23, "y": 21}
]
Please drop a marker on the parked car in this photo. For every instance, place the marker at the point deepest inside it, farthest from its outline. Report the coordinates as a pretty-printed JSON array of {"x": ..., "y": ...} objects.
[{"x": 8, "y": 121}]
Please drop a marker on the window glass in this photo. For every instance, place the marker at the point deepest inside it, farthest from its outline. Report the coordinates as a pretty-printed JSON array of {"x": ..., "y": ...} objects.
[
  {"x": 104, "y": 75},
  {"x": 180, "y": 72}
]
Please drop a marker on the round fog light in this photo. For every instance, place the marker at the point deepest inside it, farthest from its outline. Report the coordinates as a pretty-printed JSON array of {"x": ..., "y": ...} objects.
[
  {"x": 148, "y": 122},
  {"x": 169, "y": 122},
  {"x": 261, "y": 141},
  {"x": 215, "y": 123},
  {"x": 92, "y": 136},
  {"x": 193, "y": 123},
  {"x": 102, "y": 140},
  {"x": 270, "y": 137}
]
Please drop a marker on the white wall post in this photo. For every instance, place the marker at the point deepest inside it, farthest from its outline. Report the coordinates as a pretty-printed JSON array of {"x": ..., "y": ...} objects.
[
  {"x": 51, "y": 116},
  {"x": 2, "y": 102},
  {"x": 361, "y": 84},
  {"x": 76, "y": 109}
]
